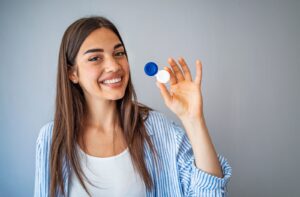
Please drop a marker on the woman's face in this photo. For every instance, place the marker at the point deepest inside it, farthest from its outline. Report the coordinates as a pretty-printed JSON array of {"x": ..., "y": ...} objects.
[{"x": 102, "y": 68}]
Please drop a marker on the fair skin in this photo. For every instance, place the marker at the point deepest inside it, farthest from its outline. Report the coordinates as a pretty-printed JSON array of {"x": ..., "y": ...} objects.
[
  {"x": 92, "y": 67},
  {"x": 184, "y": 99}
]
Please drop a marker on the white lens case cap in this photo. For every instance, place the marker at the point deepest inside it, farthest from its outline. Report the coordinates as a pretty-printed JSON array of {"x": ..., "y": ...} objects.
[{"x": 163, "y": 76}]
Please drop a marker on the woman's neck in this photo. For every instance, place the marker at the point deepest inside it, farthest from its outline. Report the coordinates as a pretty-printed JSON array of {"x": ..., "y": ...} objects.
[{"x": 101, "y": 115}]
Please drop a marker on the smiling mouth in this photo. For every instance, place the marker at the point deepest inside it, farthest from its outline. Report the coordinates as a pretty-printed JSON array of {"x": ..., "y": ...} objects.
[{"x": 113, "y": 83}]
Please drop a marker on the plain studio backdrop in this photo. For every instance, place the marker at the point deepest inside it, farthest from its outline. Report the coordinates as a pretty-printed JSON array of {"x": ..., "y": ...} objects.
[{"x": 251, "y": 65}]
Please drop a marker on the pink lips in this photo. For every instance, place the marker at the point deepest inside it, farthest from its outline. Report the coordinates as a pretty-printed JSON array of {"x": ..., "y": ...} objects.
[
  {"x": 113, "y": 85},
  {"x": 109, "y": 77}
]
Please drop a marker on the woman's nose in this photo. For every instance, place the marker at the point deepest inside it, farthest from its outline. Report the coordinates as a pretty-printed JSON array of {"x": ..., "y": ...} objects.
[{"x": 111, "y": 65}]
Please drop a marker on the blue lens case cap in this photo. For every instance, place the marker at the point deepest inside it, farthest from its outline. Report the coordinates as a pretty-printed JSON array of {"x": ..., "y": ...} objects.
[{"x": 151, "y": 68}]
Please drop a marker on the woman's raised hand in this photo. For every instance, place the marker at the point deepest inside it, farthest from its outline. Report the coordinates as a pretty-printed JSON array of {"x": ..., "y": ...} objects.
[{"x": 184, "y": 97}]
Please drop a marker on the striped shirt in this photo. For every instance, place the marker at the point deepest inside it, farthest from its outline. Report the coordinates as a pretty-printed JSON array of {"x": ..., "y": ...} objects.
[{"x": 177, "y": 174}]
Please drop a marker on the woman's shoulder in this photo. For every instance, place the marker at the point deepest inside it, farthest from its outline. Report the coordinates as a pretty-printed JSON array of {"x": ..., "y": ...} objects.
[
  {"x": 45, "y": 133},
  {"x": 157, "y": 116},
  {"x": 158, "y": 121}
]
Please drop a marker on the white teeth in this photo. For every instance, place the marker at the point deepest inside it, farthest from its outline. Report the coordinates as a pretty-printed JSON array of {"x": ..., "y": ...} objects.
[{"x": 116, "y": 80}]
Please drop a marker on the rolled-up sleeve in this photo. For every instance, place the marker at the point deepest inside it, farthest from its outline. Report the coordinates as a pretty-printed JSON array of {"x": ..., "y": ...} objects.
[{"x": 194, "y": 181}]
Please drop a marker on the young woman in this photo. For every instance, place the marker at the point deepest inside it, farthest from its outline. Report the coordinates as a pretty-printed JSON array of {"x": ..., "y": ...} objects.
[{"x": 102, "y": 142}]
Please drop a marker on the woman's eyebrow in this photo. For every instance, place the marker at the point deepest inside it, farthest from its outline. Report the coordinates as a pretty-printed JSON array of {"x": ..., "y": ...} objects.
[{"x": 101, "y": 50}]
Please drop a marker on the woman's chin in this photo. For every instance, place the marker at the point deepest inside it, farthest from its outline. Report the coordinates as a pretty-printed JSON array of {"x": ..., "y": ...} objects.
[
  {"x": 117, "y": 98},
  {"x": 113, "y": 97}
]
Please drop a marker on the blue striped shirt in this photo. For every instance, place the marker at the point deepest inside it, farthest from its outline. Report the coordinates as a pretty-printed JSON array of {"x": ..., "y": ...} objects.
[{"x": 177, "y": 174}]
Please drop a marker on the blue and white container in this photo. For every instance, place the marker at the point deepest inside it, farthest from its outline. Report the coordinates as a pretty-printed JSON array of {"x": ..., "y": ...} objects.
[{"x": 151, "y": 69}]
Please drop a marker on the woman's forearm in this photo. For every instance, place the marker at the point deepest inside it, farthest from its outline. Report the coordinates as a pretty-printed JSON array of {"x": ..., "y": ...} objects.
[{"x": 205, "y": 155}]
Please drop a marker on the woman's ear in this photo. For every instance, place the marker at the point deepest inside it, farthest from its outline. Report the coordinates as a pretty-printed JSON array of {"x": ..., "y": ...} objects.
[{"x": 73, "y": 76}]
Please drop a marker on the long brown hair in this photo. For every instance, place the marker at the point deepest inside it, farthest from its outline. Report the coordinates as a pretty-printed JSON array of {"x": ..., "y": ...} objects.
[{"x": 70, "y": 110}]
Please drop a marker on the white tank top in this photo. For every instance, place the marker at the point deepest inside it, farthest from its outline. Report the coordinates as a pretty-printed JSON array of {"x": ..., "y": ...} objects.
[{"x": 113, "y": 177}]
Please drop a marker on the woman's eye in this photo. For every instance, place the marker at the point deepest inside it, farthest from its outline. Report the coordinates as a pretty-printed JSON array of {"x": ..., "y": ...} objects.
[
  {"x": 120, "y": 53},
  {"x": 93, "y": 59}
]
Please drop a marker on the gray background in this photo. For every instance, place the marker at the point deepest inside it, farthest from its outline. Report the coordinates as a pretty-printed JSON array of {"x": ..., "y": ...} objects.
[{"x": 250, "y": 52}]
